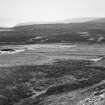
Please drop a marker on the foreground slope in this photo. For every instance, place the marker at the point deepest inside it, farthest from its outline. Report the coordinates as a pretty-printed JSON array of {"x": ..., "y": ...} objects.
[{"x": 67, "y": 82}]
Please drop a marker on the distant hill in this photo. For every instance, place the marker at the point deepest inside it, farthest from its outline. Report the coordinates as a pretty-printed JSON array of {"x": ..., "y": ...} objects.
[
  {"x": 98, "y": 20},
  {"x": 72, "y": 20},
  {"x": 85, "y": 30},
  {"x": 79, "y": 20}
]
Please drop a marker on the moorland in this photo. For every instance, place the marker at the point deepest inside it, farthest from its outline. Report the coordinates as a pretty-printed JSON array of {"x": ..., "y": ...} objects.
[{"x": 53, "y": 64}]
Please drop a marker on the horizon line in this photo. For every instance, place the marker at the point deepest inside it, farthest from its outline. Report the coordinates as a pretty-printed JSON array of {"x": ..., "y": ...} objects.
[{"x": 61, "y": 21}]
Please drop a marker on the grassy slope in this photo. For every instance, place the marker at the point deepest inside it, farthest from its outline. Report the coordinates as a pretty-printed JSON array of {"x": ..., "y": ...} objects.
[
  {"x": 51, "y": 33},
  {"x": 19, "y": 84}
]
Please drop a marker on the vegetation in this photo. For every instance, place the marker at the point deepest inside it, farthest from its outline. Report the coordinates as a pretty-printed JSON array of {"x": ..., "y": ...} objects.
[
  {"x": 88, "y": 32},
  {"x": 18, "y": 84}
]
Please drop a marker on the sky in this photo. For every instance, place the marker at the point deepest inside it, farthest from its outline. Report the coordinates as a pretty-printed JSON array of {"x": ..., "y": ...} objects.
[{"x": 19, "y": 11}]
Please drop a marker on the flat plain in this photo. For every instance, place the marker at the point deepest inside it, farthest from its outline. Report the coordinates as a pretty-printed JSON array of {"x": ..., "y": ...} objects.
[{"x": 45, "y": 53}]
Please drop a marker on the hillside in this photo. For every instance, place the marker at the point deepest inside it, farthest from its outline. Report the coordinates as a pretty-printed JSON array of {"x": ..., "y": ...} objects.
[{"x": 84, "y": 32}]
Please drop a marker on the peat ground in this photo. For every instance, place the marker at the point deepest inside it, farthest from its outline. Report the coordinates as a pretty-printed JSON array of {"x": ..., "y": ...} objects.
[{"x": 20, "y": 84}]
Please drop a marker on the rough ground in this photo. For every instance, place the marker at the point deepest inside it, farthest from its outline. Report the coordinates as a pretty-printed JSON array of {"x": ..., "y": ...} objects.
[
  {"x": 74, "y": 78},
  {"x": 67, "y": 82}
]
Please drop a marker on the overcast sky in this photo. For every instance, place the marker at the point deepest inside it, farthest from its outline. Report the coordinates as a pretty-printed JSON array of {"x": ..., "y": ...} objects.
[{"x": 16, "y": 11}]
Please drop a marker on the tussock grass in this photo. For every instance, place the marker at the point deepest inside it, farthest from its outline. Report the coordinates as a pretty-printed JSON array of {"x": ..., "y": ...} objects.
[{"x": 21, "y": 82}]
